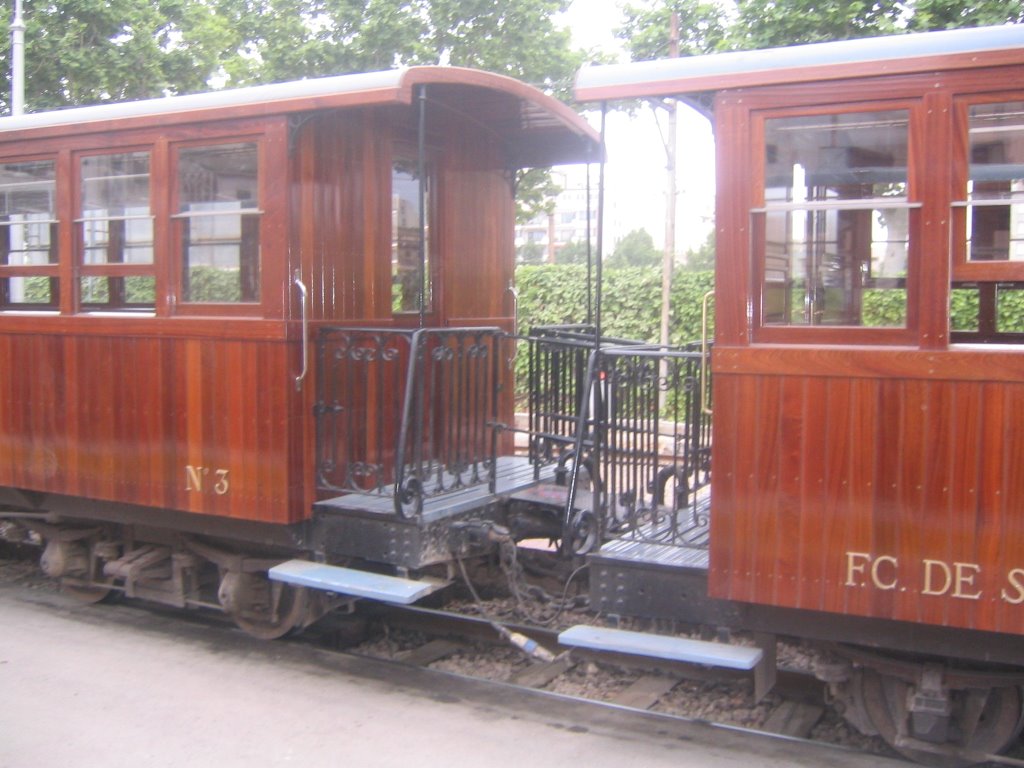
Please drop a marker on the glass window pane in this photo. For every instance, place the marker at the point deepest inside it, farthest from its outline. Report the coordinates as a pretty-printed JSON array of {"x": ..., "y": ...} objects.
[
  {"x": 117, "y": 227},
  {"x": 118, "y": 293},
  {"x": 995, "y": 189},
  {"x": 219, "y": 223},
  {"x": 405, "y": 239},
  {"x": 964, "y": 305},
  {"x": 218, "y": 178},
  {"x": 836, "y": 267},
  {"x": 1010, "y": 308},
  {"x": 34, "y": 292},
  {"x": 834, "y": 248},
  {"x": 28, "y": 231},
  {"x": 854, "y": 156}
]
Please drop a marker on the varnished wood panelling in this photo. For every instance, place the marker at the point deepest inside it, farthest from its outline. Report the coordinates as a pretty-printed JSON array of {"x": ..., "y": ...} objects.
[
  {"x": 122, "y": 418},
  {"x": 882, "y": 497},
  {"x": 342, "y": 215}
]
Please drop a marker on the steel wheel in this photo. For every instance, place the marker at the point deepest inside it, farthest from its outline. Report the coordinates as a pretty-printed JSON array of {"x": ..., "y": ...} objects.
[
  {"x": 263, "y": 608},
  {"x": 998, "y": 722},
  {"x": 86, "y": 593}
]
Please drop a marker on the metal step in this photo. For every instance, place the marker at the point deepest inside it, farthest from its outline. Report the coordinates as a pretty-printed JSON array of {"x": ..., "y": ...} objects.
[
  {"x": 662, "y": 647},
  {"x": 348, "y": 581}
]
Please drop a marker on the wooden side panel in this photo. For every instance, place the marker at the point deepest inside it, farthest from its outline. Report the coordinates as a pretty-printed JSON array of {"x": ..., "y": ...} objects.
[
  {"x": 342, "y": 215},
  {"x": 477, "y": 230},
  {"x": 196, "y": 425},
  {"x": 881, "y": 496}
]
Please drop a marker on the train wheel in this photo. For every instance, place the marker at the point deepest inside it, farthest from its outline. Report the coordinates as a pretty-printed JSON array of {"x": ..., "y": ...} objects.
[
  {"x": 75, "y": 564},
  {"x": 86, "y": 593},
  {"x": 263, "y": 608},
  {"x": 992, "y": 716}
]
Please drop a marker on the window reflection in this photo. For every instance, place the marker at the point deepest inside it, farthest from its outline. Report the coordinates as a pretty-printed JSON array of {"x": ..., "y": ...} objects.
[
  {"x": 28, "y": 233},
  {"x": 995, "y": 189},
  {"x": 219, "y": 223},
  {"x": 408, "y": 277},
  {"x": 834, "y": 233}
]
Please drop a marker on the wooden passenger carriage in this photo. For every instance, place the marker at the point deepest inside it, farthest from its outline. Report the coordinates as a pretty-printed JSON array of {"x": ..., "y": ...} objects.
[
  {"x": 166, "y": 270},
  {"x": 162, "y": 260},
  {"x": 868, "y": 438}
]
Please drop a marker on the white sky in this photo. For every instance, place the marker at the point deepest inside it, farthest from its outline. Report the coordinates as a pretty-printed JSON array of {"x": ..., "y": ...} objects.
[{"x": 635, "y": 172}]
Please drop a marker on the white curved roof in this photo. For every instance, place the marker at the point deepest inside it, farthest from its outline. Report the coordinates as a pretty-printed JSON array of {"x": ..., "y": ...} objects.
[
  {"x": 339, "y": 85},
  {"x": 541, "y": 130},
  {"x": 894, "y": 54}
]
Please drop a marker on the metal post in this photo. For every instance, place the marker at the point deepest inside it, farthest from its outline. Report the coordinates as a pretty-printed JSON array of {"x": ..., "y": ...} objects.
[
  {"x": 600, "y": 227},
  {"x": 590, "y": 256},
  {"x": 17, "y": 61},
  {"x": 421, "y": 172}
]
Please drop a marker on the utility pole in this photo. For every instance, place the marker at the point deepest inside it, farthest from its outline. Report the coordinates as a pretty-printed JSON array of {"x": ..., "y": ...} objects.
[
  {"x": 17, "y": 61},
  {"x": 669, "y": 254}
]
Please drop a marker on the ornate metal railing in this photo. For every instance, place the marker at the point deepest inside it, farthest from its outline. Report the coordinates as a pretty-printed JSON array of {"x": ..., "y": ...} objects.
[
  {"x": 410, "y": 414},
  {"x": 556, "y": 381},
  {"x": 647, "y": 441}
]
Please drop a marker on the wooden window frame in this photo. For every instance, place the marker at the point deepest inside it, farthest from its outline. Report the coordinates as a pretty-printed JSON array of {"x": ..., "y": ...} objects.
[
  {"x": 176, "y": 259},
  {"x": 833, "y": 334},
  {"x": 52, "y": 270},
  {"x": 405, "y": 148},
  {"x": 117, "y": 270},
  {"x": 965, "y": 270}
]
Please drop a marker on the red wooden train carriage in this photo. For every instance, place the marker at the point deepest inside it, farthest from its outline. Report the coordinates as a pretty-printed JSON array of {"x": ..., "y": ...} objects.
[
  {"x": 150, "y": 306},
  {"x": 868, "y": 429},
  {"x": 166, "y": 264}
]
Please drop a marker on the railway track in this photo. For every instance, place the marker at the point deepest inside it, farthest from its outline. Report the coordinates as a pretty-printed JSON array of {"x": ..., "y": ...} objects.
[
  {"x": 472, "y": 646},
  {"x": 449, "y": 642}
]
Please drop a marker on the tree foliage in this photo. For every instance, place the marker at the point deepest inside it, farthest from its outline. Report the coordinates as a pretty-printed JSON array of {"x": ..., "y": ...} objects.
[
  {"x": 635, "y": 249},
  {"x": 90, "y": 51},
  {"x": 702, "y": 27},
  {"x": 705, "y": 27}
]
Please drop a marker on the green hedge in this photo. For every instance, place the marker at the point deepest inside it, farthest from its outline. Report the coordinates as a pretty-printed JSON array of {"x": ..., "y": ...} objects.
[{"x": 550, "y": 294}]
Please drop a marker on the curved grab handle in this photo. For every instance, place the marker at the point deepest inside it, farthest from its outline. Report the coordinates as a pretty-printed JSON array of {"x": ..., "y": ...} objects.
[
  {"x": 704, "y": 389},
  {"x": 297, "y": 281},
  {"x": 515, "y": 323}
]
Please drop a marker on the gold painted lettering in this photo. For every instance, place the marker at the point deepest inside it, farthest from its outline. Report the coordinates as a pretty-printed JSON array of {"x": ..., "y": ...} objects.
[
  {"x": 193, "y": 478},
  {"x": 875, "y": 568},
  {"x": 222, "y": 486},
  {"x": 963, "y": 578},
  {"x": 1016, "y": 579},
  {"x": 856, "y": 563},
  {"x": 929, "y": 571}
]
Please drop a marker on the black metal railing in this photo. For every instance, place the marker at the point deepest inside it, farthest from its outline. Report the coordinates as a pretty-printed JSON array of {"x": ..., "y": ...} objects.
[
  {"x": 646, "y": 436},
  {"x": 556, "y": 381},
  {"x": 406, "y": 413}
]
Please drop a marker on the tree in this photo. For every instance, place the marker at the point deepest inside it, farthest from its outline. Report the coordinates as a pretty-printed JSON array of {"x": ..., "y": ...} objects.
[
  {"x": 530, "y": 253},
  {"x": 702, "y": 257},
  {"x": 88, "y": 51},
  {"x": 702, "y": 27},
  {"x": 769, "y": 23},
  {"x": 574, "y": 252},
  {"x": 635, "y": 249}
]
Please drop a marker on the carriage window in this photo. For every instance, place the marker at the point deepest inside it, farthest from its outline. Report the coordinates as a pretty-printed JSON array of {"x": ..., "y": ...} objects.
[
  {"x": 28, "y": 236},
  {"x": 833, "y": 236},
  {"x": 116, "y": 232},
  {"x": 987, "y": 312},
  {"x": 408, "y": 280},
  {"x": 218, "y": 219},
  {"x": 995, "y": 187}
]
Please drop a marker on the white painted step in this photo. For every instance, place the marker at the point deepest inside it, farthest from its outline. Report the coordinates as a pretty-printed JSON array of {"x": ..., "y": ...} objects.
[
  {"x": 348, "y": 581},
  {"x": 661, "y": 647}
]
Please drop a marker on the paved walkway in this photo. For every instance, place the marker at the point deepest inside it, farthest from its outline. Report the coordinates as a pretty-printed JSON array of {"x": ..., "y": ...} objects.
[{"x": 111, "y": 686}]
